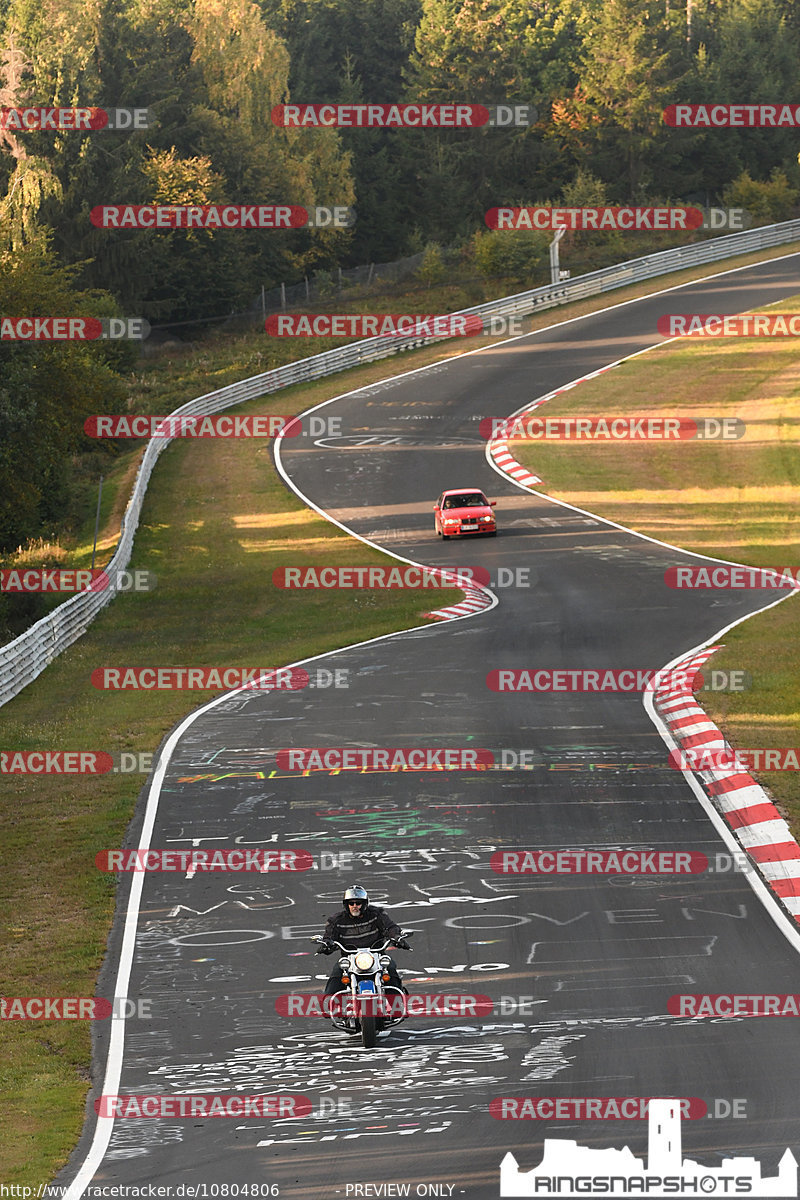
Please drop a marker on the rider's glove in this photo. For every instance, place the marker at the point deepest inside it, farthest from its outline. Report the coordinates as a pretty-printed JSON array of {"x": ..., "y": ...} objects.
[
  {"x": 402, "y": 944},
  {"x": 326, "y": 949}
]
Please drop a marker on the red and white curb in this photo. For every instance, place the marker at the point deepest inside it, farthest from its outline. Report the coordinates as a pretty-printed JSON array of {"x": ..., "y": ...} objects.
[
  {"x": 754, "y": 820},
  {"x": 476, "y": 598},
  {"x": 498, "y": 449},
  {"x": 506, "y": 463}
]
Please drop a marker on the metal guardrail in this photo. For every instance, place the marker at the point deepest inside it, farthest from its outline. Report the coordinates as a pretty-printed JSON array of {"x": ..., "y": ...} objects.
[{"x": 23, "y": 659}]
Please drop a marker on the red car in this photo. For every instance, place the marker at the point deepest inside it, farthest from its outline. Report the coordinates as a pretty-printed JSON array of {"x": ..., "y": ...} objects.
[{"x": 463, "y": 510}]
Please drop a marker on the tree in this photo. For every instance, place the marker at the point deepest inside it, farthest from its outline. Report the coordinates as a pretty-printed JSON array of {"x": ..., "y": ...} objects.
[
  {"x": 31, "y": 181},
  {"x": 480, "y": 52},
  {"x": 47, "y": 391},
  {"x": 629, "y": 62}
]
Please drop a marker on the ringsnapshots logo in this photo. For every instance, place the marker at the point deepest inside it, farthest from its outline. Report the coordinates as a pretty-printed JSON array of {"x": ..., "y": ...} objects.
[
  {"x": 73, "y": 329},
  {"x": 569, "y": 1169},
  {"x": 379, "y": 578},
  {"x": 55, "y": 762},
  {"x": 182, "y": 679},
  {"x": 403, "y": 116},
  {"x": 221, "y": 216},
  {"x": 528, "y": 428},
  {"x": 86, "y": 120},
  {"x": 77, "y": 579},
  {"x": 716, "y": 325}
]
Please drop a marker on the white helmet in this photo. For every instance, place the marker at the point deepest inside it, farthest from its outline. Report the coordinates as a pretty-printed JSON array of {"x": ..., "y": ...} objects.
[{"x": 356, "y": 895}]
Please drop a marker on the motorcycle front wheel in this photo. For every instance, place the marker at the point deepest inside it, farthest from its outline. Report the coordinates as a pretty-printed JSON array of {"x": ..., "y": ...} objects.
[{"x": 368, "y": 1031}]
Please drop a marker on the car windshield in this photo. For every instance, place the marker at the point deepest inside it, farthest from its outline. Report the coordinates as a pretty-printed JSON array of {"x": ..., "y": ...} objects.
[{"x": 466, "y": 500}]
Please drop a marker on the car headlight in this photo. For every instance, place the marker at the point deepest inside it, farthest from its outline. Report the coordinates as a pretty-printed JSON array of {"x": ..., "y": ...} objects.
[
  {"x": 489, "y": 518},
  {"x": 364, "y": 961}
]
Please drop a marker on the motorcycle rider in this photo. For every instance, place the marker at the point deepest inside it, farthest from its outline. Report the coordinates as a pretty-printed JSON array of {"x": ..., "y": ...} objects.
[{"x": 361, "y": 925}]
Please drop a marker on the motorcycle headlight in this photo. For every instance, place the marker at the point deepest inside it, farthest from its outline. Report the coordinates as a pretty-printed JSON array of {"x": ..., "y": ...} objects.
[{"x": 364, "y": 961}]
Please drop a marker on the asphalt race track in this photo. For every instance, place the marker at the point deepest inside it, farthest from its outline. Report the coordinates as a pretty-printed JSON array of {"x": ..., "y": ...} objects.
[{"x": 597, "y": 956}]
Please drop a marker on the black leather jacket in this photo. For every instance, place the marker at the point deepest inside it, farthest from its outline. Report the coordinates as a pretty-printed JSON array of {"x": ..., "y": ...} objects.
[{"x": 370, "y": 929}]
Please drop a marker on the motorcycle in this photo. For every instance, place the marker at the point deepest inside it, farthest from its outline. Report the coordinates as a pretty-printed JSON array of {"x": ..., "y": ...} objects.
[{"x": 368, "y": 1002}]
